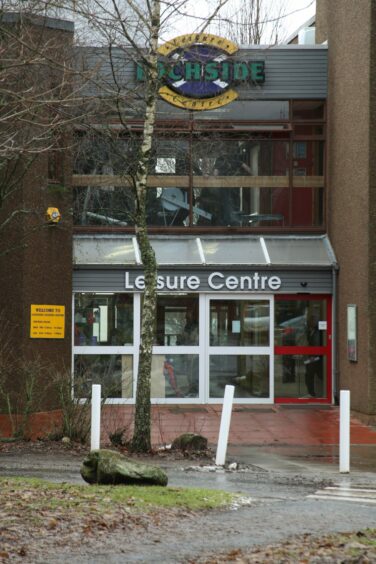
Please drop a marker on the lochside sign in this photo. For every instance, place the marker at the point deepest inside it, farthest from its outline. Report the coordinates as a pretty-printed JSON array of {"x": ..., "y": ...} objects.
[
  {"x": 198, "y": 73},
  {"x": 215, "y": 281}
]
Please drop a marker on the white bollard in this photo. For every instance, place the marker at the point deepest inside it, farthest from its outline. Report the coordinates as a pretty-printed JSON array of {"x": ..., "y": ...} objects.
[
  {"x": 95, "y": 416},
  {"x": 344, "y": 431},
  {"x": 225, "y": 426}
]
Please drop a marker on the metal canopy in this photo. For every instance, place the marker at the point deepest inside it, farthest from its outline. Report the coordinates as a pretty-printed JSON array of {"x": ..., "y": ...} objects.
[{"x": 270, "y": 251}]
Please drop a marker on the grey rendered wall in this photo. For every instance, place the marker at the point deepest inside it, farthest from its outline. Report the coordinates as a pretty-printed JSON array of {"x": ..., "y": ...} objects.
[
  {"x": 291, "y": 71},
  {"x": 113, "y": 280}
]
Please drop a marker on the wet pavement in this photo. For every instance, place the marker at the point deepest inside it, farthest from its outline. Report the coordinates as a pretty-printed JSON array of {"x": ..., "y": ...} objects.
[
  {"x": 279, "y": 482},
  {"x": 310, "y": 463},
  {"x": 271, "y": 438},
  {"x": 286, "y": 460},
  {"x": 256, "y": 425}
]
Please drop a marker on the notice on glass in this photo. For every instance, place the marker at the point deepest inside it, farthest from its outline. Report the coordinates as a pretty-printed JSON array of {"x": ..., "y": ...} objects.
[
  {"x": 236, "y": 326},
  {"x": 47, "y": 321},
  {"x": 352, "y": 346}
]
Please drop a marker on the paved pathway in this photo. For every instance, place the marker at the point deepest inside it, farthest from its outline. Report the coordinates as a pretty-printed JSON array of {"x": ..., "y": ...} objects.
[{"x": 250, "y": 425}]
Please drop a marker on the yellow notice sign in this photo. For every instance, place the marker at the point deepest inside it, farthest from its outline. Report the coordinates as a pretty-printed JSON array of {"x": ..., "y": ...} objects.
[{"x": 47, "y": 322}]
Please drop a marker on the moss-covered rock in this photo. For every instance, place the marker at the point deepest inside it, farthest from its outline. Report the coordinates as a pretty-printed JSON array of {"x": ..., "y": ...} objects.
[
  {"x": 191, "y": 442},
  {"x": 110, "y": 467}
]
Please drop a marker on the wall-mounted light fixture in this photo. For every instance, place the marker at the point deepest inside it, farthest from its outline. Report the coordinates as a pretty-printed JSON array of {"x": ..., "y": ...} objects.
[{"x": 53, "y": 215}]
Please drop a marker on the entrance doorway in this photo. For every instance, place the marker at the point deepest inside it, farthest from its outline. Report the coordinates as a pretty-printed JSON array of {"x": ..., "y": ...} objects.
[
  {"x": 239, "y": 347},
  {"x": 303, "y": 345}
]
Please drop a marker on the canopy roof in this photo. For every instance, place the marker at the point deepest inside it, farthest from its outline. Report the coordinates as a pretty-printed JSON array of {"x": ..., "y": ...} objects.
[{"x": 268, "y": 251}]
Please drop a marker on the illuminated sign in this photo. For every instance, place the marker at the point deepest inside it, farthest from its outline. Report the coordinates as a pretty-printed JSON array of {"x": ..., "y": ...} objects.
[
  {"x": 47, "y": 322},
  {"x": 198, "y": 74}
]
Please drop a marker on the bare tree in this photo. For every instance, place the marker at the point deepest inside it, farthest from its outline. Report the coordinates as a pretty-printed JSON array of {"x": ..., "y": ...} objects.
[
  {"x": 255, "y": 22},
  {"x": 36, "y": 98},
  {"x": 130, "y": 32}
]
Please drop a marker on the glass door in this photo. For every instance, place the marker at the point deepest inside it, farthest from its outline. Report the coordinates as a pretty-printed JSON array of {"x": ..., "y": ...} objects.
[
  {"x": 303, "y": 344},
  {"x": 239, "y": 345}
]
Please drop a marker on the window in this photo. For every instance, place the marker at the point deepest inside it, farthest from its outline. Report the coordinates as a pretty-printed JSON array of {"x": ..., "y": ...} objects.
[
  {"x": 177, "y": 320},
  {"x": 113, "y": 372},
  {"x": 212, "y": 175},
  {"x": 103, "y": 320}
]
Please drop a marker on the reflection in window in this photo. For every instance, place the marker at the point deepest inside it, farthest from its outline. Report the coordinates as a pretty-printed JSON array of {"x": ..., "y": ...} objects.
[
  {"x": 175, "y": 376},
  {"x": 168, "y": 207},
  {"x": 177, "y": 320},
  {"x": 103, "y": 319},
  {"x": 300, "y": 376},
  {"x": 113, "y": 372},
  {"x": 106, "y": 154},
  {"x": 103, "y": 206},
  {"x": 239, "y": 323},
  {"x": 249, "y": 375},
  {"x": 296, "y": 321},
  {"x": 244, "y": 178},
  {"x": 235, "y": 201}
]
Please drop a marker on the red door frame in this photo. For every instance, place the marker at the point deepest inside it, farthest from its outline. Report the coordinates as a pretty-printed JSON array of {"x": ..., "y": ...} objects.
[{"x": 324, "y": 350}]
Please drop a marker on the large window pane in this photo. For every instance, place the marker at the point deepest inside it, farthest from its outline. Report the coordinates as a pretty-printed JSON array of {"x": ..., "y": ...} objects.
[
  {"x": 297, "y": 323},
  {"x": 256, "y": 206},
  {"x": 249, "y": 375},
  {"x": 239, "y": 323},
  {"x": 273, "y": 208},
  {"x": 177, "y": 320},
  {"x": 229, "y": 195},
  {"x": 106, "y": 154},
  {"x": 113, "y": 372},
  {"x": 103, "y": 319},
  {"x": 307, "y": 207},
  {"x": 240, "y": 178},
  {"x": 308, "y": 158},
  {"x": 175, "y": 376},
  {"x": 170, "y": 157},
  {"x": 115, "y": 206},
  {"x": 300, "y": 376},
  {"x": 110, "y": 205},
  {"x": 168, "y": 206}
]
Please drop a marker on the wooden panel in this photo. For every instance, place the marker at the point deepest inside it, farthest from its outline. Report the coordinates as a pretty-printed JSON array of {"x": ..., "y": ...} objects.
[
  {"x": 308, "y": 181},
  {"x": 168, "y": 181},
  {"x": 183, "y": 181},
  {"x": 103, "y": 180},
  {"x": 240, "y": 181}
]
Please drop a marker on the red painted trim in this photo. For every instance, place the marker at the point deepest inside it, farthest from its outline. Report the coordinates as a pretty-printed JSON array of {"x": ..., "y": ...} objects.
[{"x": 324, "y": 350}]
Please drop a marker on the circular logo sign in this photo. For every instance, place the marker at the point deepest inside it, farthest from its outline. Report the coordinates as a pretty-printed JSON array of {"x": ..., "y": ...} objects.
[{"x": 196, "y": 71}]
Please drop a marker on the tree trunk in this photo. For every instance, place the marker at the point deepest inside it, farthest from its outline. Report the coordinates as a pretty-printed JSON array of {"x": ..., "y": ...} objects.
[{"x": 141, "y": 441}]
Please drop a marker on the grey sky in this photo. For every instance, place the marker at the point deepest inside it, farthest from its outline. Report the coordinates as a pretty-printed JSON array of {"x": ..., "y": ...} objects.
[{"x": 297, "y": 13}]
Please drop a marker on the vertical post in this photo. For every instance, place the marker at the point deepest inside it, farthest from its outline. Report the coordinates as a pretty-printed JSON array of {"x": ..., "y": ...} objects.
[
  {"x": 344, "y": 432},
  {"x": 95, "y": 416},
  {"x": 225, "y": 426}
]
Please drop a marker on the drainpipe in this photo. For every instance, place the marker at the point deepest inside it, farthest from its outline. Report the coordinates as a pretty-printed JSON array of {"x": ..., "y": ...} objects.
[{"x": 335, "y": 396}]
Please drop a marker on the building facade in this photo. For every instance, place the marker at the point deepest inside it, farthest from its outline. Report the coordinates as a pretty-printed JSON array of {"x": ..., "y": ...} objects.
[
  {"x": 351, "y": 185},
  {"x": 264, "y": 255},
  {"x": 237, "y": 217}
]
